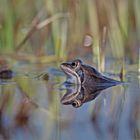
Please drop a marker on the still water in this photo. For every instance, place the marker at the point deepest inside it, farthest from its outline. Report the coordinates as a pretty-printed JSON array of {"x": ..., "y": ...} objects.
[{"x": 30, "y": 108}]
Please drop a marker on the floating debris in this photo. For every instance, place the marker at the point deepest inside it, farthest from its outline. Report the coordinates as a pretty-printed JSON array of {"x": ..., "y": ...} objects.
[
  {"x": 6, "y": 74},
  {"x": 43, "y": 76}
]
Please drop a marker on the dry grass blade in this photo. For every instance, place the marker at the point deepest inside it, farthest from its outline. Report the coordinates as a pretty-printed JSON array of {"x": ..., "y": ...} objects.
[
  {"x": 37, "y": 26},
  {"x": 49, "y": 20},
  {"x": 30, "y": 32},
  {"x": 103, "y": 46}
]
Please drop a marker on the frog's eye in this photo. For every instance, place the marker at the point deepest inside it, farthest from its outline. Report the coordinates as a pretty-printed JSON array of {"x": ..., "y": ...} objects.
[{"x": 74, "y": 64}]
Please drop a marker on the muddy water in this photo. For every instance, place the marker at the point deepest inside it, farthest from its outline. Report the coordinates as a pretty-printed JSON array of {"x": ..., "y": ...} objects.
[{"x": 30, "y": 108}]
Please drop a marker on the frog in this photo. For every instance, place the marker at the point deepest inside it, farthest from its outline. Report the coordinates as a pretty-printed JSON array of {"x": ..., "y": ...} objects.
[
  {"x": 82, "y": 74},
  {"x": 85, "y": 83}
]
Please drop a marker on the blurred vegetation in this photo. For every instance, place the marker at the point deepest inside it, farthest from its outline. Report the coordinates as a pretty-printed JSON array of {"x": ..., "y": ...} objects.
[
  {"x": 53, "y": 30},
  {"x": 44, "y": 31}
]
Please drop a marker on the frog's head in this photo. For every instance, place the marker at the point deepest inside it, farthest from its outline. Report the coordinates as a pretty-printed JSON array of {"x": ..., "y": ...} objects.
[{"x": 73, "y": 71}]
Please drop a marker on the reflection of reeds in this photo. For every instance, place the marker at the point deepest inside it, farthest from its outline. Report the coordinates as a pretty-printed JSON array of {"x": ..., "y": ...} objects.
[{"x": 28, "y": 103}]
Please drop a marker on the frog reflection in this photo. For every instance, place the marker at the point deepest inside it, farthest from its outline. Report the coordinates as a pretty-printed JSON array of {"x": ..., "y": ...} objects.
[{"x": 77, "y": 95}]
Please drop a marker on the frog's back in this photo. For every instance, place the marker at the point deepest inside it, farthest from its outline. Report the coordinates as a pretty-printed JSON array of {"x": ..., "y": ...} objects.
[
  {"x": 95, "y": 79},
  {"x": 91, "y": 71}
]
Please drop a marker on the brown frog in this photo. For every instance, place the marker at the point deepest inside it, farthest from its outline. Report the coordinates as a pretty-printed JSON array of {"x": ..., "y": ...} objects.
[
  {"x": 82, "y": 74},
  {"x": 88, "y": 83}
]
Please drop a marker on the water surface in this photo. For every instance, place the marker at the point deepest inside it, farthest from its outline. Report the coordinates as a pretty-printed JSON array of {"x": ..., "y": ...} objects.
[{"x": 30, "y": 108}]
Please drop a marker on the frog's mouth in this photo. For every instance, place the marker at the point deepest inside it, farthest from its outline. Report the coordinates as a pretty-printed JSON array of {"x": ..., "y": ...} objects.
[{"x": 72, "y": 76}]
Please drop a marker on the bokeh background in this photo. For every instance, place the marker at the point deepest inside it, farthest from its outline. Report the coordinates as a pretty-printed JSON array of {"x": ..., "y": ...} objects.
[{"x": 50, "y": 30}]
